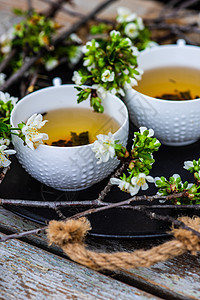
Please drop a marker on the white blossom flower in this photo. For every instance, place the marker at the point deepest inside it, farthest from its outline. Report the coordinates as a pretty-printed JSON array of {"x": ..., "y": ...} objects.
[
  {"x": 157, "y": 179},
  {"x": 33, "y": 137},
  {"x": 121, "y": 92},
  {"x": 107, "y": 76},
  {"x": 4, "y": 142},
  {"x": 190, "y": 185},
  {"x": 4, "y": 154},
  {"x": 138, "y": 76},
  {"x": 86, "y": 47},
  {"x": 126, "y": 71},
  {"x": 5, "y": 97},
  {"x": 114, "y": 33},
  {"x": 51, "y": 64},
  {"x": 140, "y": 23},
  {"x": 5, "y": 41},
  {"x": 160, "y": 194},
  {"x": 175, "y": 176},
  {"x": 141, "y": 181},
  {"x": 2, "y": 78},
  {"x": 135, "y": 51},
  {"x": 77, "y": 54},
  {"x": 101, "y": 92},
  {"x": 188, "y": 164},
  {"x": 128, "y": 41},
  {"x": 151, "y": 131},
  {"x": 93, "y": 66},
  {"x": 113, "y": 91},
  {"x": 151, "y": 44},
  {"x": 125, "y": 15},
  {"x": 131, "y": 30},
  {"x": 125, "y": 186},
  {"x": 104, "y": 147},
  {"x": 86, "y": 62},
  {"x": 77, "y": 78},
  {"x": 129, "y": 85},
  {"x": 75, "y": 38}
]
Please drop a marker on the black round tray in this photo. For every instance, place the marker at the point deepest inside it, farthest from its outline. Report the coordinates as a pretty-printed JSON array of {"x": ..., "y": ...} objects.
[{"x": 119, "y": 223}]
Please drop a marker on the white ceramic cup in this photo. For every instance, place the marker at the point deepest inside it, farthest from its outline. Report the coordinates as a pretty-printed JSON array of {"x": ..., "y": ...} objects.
[
  {"x": 175, "y": 123},
  {"x": 65, "y": 168}
]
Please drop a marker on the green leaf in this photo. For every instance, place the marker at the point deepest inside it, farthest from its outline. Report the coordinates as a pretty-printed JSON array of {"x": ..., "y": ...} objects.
[{"x": 4, "y": 127}]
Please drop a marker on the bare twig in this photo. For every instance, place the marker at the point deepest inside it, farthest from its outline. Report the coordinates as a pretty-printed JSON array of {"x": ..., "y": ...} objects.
[
  {"x": 107, "y": 188},
  {"x": 30, "y": 7},
  {"x": 3, "y": 173},
  {"x": 22, "y": 234},
  {"x": 55, "y": 6},
  {"x": 186, "y": 4},
  {"x": 192, "y": 28},
  {"x": 82, "y": 22},
  {"x": 96, "y": 202},
  {"x": 7, "y": 60},
  {"x": 77, "y": 14},
  {"x": 169, "y": 219},
  {"x": 33, "y": 81},
  {"x": 20, "y": 73}
]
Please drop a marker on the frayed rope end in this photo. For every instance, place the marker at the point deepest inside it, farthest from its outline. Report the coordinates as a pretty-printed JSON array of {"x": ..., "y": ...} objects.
[
  {"x": 190, "y": 241},
  {"x": 72, "y": 231}
]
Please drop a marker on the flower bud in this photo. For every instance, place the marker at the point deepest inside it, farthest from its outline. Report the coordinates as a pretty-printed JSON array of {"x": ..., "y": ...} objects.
[
  {"x": 173, "y": 187},
  {"x": 126, "y": 154},
  {"x": 191, "y": 196},
  {"x": 132, "y": 164}
]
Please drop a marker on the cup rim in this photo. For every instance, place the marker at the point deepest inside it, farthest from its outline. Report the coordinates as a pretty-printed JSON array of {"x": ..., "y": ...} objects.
[
  {"x": 172, "y": 46},
  {"x": 62, "y": 86}
]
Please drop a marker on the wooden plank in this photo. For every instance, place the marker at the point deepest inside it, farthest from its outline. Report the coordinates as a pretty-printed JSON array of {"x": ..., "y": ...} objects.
[
  {"x": 28, "y": 272},
  {"x": 178, "y": 278}
]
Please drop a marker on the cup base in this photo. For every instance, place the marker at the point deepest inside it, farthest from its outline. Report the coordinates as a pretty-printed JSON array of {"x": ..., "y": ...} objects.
[
  {"x": 70, "y": 190},
  {"x": 178, "y": 144}
]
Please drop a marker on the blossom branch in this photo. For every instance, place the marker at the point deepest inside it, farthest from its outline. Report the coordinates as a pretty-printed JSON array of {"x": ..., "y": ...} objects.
[
  {"x": 141, "y": 208},
  {"x": 28, "y": 64}
]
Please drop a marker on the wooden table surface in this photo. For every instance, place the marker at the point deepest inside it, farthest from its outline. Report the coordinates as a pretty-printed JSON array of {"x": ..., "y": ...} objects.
[{"x": 29, "y": 269}]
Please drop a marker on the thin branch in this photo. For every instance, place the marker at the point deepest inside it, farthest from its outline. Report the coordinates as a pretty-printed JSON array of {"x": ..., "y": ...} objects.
[
  {"x": 96, "y": 202},
  {"x": 186, "y": 4},
  {"x": 192, "y": 28},
  {"x": 22, "y": 234},
  {"x": 55, "y": 6},
  {"x": 82, "y": 22},
  {"x": 77, "y": 14},
  {"x": 3, "y": 173},
  {"x": 169, "y": 219},
  {"x": 117, "y": 174},
  {"x": 7, "y": 59},
  {"x": 20, "y": 73},
  {"x": 30, "y": 7},
  {"x": 32, "y": 81}
]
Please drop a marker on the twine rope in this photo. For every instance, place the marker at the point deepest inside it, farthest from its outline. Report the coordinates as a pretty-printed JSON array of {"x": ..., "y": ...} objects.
[{"x": 70, "y": 237}]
